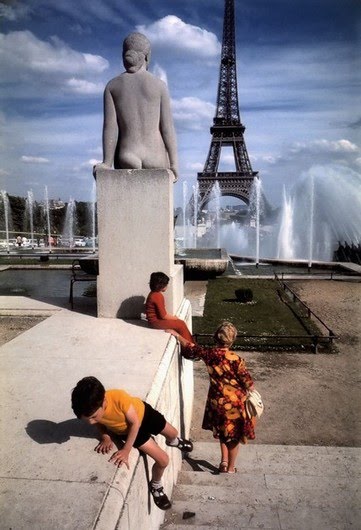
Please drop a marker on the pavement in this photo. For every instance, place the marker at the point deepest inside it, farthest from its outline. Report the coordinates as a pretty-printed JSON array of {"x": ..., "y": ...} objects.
[{"x": 50, "y": 477}]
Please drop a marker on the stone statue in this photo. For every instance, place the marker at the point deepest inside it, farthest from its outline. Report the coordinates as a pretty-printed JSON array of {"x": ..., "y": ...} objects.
[{"x": 138, "y": 130}]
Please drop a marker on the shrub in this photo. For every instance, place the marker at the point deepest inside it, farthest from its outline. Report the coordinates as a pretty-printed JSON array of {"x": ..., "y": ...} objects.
[{"x": 244, "y": 295}]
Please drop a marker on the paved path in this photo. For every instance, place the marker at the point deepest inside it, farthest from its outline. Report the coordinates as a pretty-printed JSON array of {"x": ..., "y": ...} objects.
[{"x": 50, "y": 476}]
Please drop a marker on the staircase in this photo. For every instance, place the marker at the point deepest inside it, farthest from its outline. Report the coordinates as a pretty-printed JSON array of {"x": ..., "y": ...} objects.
[{"x": 276, "y": 487}]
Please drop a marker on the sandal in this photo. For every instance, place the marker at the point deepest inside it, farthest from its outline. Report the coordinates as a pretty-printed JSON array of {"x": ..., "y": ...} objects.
[
  {"x": 223, "y": 467},
  {"x": 183, "y": 445},
  {"x": 232, "y": 472}
]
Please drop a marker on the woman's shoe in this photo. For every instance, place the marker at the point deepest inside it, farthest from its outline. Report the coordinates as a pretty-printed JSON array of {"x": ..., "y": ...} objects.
[
  {"x": 223, "y": 467},
  {"x": 232, "y": 472}
]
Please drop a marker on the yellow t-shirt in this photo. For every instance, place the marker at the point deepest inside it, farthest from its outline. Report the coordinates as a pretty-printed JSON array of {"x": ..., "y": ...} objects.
[{"x": 118, "y": 403}]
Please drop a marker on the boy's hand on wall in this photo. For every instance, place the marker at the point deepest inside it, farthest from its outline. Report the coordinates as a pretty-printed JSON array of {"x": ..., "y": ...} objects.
[
  {"x": 105, "y": 445},
  {"x": 120, "y": 457}
]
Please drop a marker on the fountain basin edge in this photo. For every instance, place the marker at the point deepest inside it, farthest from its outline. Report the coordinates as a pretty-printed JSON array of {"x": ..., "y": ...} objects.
[{"x": 202, "y": 262}]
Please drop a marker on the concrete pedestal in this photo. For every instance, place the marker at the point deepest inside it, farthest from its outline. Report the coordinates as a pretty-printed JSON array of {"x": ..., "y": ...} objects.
[{"x": 136, "y": 237}]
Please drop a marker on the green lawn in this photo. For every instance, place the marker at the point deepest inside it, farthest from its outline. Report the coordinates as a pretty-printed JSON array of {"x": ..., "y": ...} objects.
[{"x": 267, "y": 314}]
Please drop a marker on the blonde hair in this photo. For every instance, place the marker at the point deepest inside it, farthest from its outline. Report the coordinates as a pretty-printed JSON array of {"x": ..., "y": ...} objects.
[
  {"x": 136, "y": 49},
  {"x": 225, "y": 334}
]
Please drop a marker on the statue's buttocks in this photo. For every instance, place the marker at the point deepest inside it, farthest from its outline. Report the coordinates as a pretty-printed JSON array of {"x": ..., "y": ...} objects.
[{"x": 138, "y": 131}]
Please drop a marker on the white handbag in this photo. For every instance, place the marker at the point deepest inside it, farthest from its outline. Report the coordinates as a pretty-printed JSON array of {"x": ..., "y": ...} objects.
[{"x": 254, "y": 405}]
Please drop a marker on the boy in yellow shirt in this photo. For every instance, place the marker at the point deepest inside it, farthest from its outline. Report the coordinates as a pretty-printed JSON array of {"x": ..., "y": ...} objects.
[{"x": 132, "y": 420}]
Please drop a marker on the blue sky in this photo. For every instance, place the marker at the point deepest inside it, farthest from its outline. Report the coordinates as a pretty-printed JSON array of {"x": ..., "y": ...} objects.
[{"x": 298, "y": 64}]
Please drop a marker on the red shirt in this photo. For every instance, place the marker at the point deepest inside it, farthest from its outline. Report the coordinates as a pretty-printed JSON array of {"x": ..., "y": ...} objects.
[{"x": 155, "y": 306}]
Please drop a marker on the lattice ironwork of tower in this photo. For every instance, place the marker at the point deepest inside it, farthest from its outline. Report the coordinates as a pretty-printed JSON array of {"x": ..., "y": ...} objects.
[{"x": 227, "y": 129}]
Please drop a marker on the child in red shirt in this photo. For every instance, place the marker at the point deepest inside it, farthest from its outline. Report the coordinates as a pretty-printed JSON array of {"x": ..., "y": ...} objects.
[{"x": 156, "y": 312}]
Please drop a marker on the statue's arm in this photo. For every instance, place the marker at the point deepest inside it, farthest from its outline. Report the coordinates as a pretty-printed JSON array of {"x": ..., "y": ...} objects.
[
  {"x": 168, "y": 132},
  {"x": 110, "y": 133},
  {"x": 110, "y": 129}
]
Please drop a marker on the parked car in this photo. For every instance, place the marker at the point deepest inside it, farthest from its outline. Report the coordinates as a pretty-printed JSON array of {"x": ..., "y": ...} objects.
[{"x": 79, "y": 242}]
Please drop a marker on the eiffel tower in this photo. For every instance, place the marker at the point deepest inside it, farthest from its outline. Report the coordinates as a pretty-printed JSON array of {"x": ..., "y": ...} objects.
[{"x": 227, "y": 129}]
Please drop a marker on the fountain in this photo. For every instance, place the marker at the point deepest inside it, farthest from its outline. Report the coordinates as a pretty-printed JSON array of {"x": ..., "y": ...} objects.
[
  {"x": 29, "y": 214},
  {"x": 89, "y": 265},
  {"x": 93, "y": 215},
  {"x": 255, "y": 212},
  {"x": 195, "y": 213},
  {"x": 311, "y": 221},
  {"x": 200, "y": 262},
  {"x": 186, "y": 226},
  {"x": 47, "y": 226},
  {"x": 322, "y": 209},
  {"x": 70, "y": 223},
  {"x": 6, "y": 206},
  {"x": 285, "y": 248},
  {"x": 216, "y": 197},
  {"x": 184, "y": 219},
  {"x": 47, "y": 212}
]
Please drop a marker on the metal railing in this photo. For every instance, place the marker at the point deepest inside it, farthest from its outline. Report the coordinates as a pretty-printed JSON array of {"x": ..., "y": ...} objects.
[
  {"x": 310, "y": 314},
  {"x": 269, "y": 342}
]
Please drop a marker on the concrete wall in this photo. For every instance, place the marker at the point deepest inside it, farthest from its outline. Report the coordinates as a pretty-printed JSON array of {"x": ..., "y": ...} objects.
[
  {"x": 128, "y": 504},
  {"x": 136, "y": 237}
]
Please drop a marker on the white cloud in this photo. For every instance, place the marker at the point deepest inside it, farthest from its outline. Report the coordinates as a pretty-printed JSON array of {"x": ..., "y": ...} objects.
[
  {"x": 81, "y": 86},
  {"x": 192, "y": 113},
  {"x": 270, "y": 159},
  {"x": 197, "y": 166},
  {"x": 96, "y": 151},
  {"x": 326, "y": 146},
  {"x": 31, "y": 62},
  {"x": 87, "y": 164},
  {"x": 80, "y": 30},
  {"x": 158, "y": 71},
  {"x": 287, "y": 166},
  {"x": 171, "y": 32},
  {"x": 14, "y": 12},
  {"x": 34, "y": 160}
]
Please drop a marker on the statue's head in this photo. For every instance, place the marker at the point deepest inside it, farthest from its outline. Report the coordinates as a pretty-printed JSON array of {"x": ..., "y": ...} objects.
[{"x": 136, "y": 52}]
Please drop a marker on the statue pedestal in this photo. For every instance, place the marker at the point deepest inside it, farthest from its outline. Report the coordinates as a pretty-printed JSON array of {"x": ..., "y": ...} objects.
[{"x": 136, "y": 238}]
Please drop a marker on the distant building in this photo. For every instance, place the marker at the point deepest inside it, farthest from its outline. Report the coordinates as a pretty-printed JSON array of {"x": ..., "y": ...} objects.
[{"x": 56, "y": 204}]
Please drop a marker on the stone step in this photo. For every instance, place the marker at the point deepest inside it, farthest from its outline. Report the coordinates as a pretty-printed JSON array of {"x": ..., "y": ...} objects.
[
  {"x": 276, "y": 487},
  {"x": 235, "y": 517},
  {"x": 279, "y": 459}
]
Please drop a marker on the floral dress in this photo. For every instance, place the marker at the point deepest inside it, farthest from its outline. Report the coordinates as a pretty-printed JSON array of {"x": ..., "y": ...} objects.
[{"x": 229, "y": 379}]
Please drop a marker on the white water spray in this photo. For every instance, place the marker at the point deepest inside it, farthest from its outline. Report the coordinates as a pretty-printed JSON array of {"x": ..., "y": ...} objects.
[
  {"x": 285, "y": 248},
  {"x": 93, "y": 212},
  {"x": 47, "y": 212},
  {"x": 185, "y": 194},
  {"x": 70, "y": 224},
  {"x": 6, "y": 204},
  {"x": 195, "y": 213},
  {"x": 30, "y": 211},
  {"x": 258, "y": 208},
  {"x": 311, "y": 222}
]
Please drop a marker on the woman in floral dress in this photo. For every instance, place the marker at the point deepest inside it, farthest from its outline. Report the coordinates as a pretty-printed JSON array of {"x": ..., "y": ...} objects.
[{"x": 229, "y": 384}]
